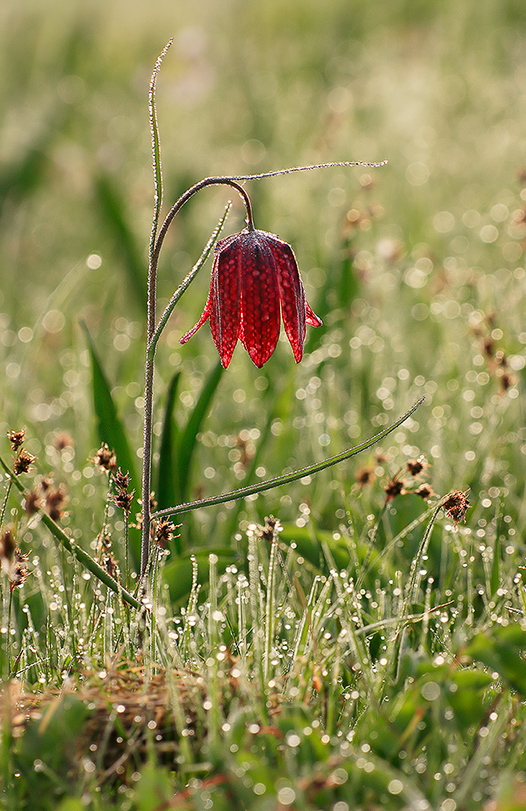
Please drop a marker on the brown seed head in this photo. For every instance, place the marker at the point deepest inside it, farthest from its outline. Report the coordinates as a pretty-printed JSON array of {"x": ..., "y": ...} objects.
[
  {"x": 416, "y": 466},
  {"x": 7, "y": 547},
  {"x": 506, "y": 381},
  {"x": 489, "y": 347},
  {"x": 271, "y": 529},
  {"x": 364, "y": 476},
  {"x": 16, "y": 438},
  {"x": 103, "y": 545},
  {"x": 456, "y": 505},
  {"x": 31, "y": 502},
  {"x": 122, "y": 480},
  {"x": 63, "y": 440},
  {"x": 19, "y": 571},
  {"x": 164, "y": 533},
  {"x": 124, "y": 500},
  {"x": 23, "y": 462},
  {"x": 425, "y": 491},
  {"x": 106, "y": 458},
  {"x": 45, "y": 483},
  {"x": 500, "y": 357},
  {"x": 393, "y": 488},
  {"x": 55, "y": 500}
]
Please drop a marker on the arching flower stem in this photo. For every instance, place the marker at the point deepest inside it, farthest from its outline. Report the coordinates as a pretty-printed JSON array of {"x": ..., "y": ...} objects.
[{"x": 157, "y": 237}]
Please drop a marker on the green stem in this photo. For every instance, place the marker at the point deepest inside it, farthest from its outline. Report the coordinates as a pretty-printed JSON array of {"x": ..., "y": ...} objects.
[
  {"x": 271, "y": 604},
  {"x": 127, "y": 549},
  {"x": 243, "y": 492},
  {"x": 9, "y": 613},
  {"x": 153, "y": 615},
  {"x": 212, "y": 661},
  {"x": 186, "y": 282},
  {"x": 156, "y": 148},
  {"x": 6, "y": 497},
  {"x": 414, "y": 579}
]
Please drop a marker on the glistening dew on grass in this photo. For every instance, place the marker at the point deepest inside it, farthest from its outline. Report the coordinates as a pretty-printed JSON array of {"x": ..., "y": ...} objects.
[{"x": 363, "y": 648}]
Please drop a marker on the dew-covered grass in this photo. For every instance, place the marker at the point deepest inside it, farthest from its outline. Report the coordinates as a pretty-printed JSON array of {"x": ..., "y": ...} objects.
[{"x": 367, "y": 650}]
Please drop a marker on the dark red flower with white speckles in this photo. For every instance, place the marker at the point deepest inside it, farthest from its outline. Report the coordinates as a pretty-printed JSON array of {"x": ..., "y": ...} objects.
[{"x": 255, "y": 281}]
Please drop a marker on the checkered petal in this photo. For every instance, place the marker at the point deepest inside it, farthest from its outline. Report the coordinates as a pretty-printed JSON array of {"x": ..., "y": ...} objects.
[{"x": 255, "y": 281}]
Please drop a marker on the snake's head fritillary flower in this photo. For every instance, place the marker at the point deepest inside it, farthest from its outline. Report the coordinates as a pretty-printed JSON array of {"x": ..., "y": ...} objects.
[{"x": 255, "y": 282}]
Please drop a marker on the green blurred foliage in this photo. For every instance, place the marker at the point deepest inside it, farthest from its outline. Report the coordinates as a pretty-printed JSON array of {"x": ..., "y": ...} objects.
[{"x": 418, "y": 271}]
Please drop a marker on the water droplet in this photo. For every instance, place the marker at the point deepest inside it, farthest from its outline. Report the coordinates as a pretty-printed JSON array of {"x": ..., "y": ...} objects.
[
  {"x": 286, "y": 795},
  {"x": 395, "y": 787}
]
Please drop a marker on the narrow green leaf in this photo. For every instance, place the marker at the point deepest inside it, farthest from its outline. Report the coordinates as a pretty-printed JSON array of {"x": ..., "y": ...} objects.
[
  {"x": 111, "y": 430},
  {"x": 187, "y": 441},
  {"x": 495, "y": 568},
  {"x": 109, "y": 425},
  {"x": 310, "y": 544},
  {"x": 111, "y": 206},
  {"x": 156, "y": 147},
  {"x": 278, "y": 481},
  {"x": 178, "y": 573},
  {"x": 502, "y": 649},
  {"x": 167, "y": 484},
  {"x": 467, "y": 700}
]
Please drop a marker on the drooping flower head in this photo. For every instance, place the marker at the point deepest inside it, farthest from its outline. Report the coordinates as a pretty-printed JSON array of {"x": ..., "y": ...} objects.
[{"x": 255, "y": 282}]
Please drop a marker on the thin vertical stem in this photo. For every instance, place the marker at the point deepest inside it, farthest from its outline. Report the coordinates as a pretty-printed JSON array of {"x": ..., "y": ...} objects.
[
  {"x": 147, "y": 463},
  {"x": 150, "y": 316},
  {"x": 271, "y": 605},
  {"x": 213, "y": 661},
  {"x": 157, "y": 177},
  {"x": 6, "y": 499},
  {"x": 414, "y": 577},
  {"x": 155, "y": 605},
  {"x": 9, "y": 615},
  {"x": 127, "y": 548}
]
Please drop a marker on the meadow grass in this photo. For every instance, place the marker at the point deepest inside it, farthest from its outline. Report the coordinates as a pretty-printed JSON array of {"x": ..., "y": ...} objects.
[{"x": 362, "y": 649}]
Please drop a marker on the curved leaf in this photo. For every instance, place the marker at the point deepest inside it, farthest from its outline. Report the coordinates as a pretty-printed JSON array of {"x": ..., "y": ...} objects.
[
  {"x": 167, "y": 484},
  {"x": 187, "y": 441},
  {"x": 109, "y": 425}
]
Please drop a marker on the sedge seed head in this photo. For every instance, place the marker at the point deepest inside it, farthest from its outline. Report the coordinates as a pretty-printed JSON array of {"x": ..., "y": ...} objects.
[
  {"x": 456, "y": 505},
  {"x": 16, "y": 438},
  {"x": 105, "y": 458},
  {"x": 23, "y": 462}
]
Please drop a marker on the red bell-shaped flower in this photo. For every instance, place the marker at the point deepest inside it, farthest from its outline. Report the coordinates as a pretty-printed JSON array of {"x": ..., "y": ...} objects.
[{"x": 255, "y": 281}]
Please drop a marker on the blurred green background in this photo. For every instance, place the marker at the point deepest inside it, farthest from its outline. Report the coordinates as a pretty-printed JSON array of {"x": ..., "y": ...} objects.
[{"x": 412, "y": 266}]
